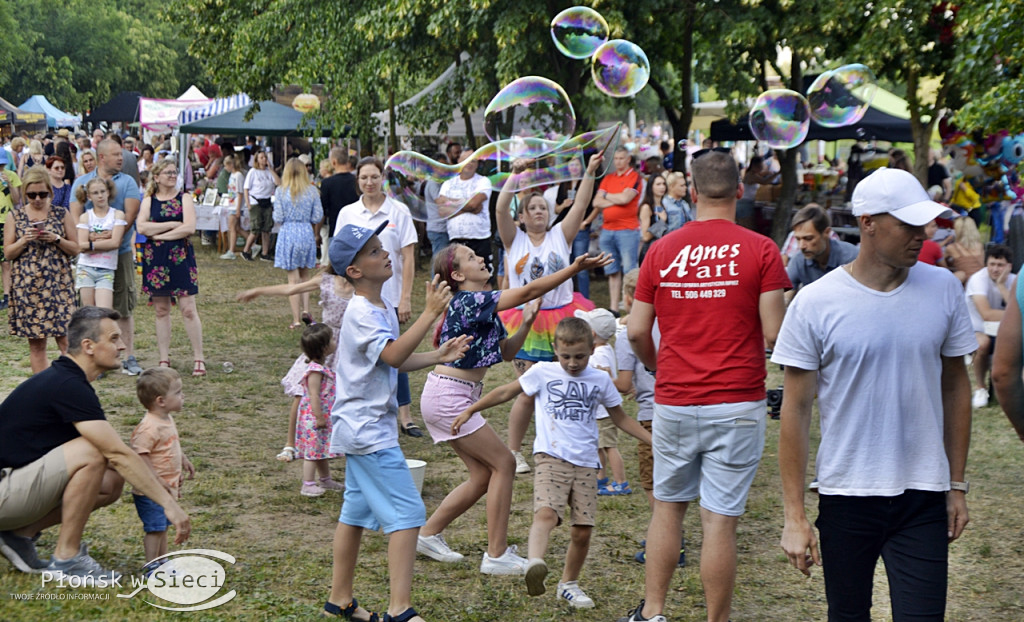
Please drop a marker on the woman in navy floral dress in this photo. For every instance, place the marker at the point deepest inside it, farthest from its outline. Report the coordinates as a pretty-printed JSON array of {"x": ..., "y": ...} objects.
[{"x": 168, "y": 218}]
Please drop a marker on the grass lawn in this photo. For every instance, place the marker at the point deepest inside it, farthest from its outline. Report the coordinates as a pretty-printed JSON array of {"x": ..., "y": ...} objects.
[{"x": 245, "y": 503}]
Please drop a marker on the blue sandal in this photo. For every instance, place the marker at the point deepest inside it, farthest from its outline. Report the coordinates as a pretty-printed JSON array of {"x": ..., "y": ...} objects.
[
  {"x": 405, "y": 616},
  {"x": 333, "y": 611}
]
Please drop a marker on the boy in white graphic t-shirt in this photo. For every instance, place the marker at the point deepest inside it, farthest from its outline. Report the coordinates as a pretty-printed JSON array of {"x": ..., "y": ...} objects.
[{"x": 566, "y": 395}]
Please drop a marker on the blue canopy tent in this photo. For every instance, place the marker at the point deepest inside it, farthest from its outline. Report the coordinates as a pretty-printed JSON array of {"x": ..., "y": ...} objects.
[
  {"x": 219, "y": 106},
  {"x": 55, "y": 117}
]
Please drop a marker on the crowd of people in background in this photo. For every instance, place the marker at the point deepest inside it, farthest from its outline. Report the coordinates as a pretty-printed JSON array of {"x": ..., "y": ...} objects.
[{"x": 674, "y": 246}]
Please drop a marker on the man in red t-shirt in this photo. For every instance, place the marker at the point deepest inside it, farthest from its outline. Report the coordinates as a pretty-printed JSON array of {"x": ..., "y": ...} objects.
[
  {"x": 716, "y": 290},
  {"x": 618, "y": 198}
]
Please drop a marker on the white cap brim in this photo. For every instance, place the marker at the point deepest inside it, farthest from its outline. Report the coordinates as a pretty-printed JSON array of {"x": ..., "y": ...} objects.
[{"x": 922, "y": 213}]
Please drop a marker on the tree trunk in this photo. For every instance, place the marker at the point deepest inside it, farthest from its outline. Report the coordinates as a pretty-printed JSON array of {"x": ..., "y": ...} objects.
[
  {"x": 787, "y": 196},
  {"x": 392, "y": 123}
]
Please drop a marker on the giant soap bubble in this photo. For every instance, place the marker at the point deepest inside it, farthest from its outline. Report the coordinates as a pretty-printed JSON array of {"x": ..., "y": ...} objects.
[
  {"x": 780, "y": 118},
  {"x": 414, "y": 179},
  {"x": 530, "y": 108},
  {"x": 579, "y": 31},
  {"x": 620, "y": 68},
  {"x": 842, "y": 96}
]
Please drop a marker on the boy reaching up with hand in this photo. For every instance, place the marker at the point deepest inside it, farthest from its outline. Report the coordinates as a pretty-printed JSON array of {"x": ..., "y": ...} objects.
[
  {"x": 379, "y": 491},
  {"x": 566, "y": 395}
]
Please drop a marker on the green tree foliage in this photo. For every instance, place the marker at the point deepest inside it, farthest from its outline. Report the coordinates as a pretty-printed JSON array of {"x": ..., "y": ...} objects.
[
  {"x": 909, "y": 42},
  {"x": 990, "y": 65},
  {"x": 367, "y": 54},
  {"x": 79, "y": 53}
]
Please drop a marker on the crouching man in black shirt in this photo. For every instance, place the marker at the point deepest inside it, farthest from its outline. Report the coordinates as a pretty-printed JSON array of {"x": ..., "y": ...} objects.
[{"x": 60, "y": 458}]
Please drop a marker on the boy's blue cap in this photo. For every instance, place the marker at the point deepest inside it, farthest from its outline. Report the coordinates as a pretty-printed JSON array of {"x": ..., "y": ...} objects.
[
  {"x": 3, "y": 156},
  {"x": 347, "y": 243}
]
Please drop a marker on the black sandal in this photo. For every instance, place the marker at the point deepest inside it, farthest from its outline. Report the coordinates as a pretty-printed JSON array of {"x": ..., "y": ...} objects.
[
  {"x": 405, "y": 616},
  {"x": 411, "y": 429},
  {"x": 333, "y": 611}
]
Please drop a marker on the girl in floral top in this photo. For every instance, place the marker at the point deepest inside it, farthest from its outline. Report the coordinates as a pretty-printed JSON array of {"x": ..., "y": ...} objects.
[
  {"x": 452, "y": 387},
  {"x": 167, "y": 218}
]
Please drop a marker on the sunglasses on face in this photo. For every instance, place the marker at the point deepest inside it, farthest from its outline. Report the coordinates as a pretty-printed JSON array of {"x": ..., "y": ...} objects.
[
  {"x": 702, "y": 152},
  {"x": 37, "y": 195}
]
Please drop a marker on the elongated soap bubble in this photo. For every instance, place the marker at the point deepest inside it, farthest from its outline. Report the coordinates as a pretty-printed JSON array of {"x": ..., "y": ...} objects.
[
  {"x": 411, "y": 177},
  {"x": 530, "y": 108},
  {"x": 780, "y": 118},
  {"x": 579, "y": 31},
  {"x": 548, "y": 168},
  {"x": 414, "y": 179},
  {"x": 842, "y": 96},
  {"x": 620, "y": 68}
]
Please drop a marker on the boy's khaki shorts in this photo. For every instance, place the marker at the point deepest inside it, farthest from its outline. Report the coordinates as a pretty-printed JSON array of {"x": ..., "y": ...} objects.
[
  {"x": 646, "y": 459},
  {"x": 557, "y": 483},
  {"x": 607, "y": 434}
]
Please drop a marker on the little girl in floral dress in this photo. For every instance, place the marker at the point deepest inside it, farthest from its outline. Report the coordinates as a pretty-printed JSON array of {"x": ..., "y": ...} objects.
[
  {"x": 335, "y": 292},
  {"x": 313, "y": 427}
]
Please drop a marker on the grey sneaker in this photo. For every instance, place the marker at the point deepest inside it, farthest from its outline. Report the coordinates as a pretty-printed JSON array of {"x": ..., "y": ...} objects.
[
  {"x": 82, "y": 565},
  {"x": 435, "y": 547},
  {"x": 131, "y": 367},
  {"x": 21, "y": 552},
  {"x": 508, "y": 563}
]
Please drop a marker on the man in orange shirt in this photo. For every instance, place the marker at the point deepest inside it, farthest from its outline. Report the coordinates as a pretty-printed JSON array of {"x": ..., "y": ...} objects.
[{"x": 618, "y": 198}]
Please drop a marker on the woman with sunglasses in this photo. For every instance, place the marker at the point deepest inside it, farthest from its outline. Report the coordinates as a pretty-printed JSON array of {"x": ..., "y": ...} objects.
[
  {"x": 38, "y": 243},
  {"x": 56, "y": 167}
]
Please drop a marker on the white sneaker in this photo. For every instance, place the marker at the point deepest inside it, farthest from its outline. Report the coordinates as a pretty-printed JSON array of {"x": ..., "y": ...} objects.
[
  {"x": 508, "y": 563},
  {"x": 522, "y": 466},
  {"x": 577, "y": 598},
  {"x": 228, "y": 255},
  {"x": 536, "y": 572},
  {"x": 980, "y": 399},
  {"x": 435, "y": 547}
]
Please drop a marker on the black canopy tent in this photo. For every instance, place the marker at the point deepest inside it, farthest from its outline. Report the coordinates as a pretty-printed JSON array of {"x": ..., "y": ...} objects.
[
  {"x": 875, "y": 125},
  {"x": 124, "y": 108}
]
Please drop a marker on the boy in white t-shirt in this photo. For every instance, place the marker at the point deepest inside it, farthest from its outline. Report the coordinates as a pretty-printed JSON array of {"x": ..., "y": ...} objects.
[
  {"x": 603, "y": 325},
  {"x": 566, "y": 395},
  {"x": 379, "y": 490}
]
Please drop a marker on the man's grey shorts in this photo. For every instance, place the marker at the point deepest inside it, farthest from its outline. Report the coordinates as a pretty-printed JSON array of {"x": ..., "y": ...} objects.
[{"x": 711, "y": 452}]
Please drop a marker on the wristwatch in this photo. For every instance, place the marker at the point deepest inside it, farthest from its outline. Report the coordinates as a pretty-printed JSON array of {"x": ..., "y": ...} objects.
[{"x": 961, "y": 486}]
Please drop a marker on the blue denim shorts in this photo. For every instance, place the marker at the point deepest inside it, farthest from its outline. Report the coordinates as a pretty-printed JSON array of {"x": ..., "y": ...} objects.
[
  {"x": 624, "y": 247},
  {"x": 152, "y": 514},
  {"x": 97, "y": 278},
  {"x": 380, "y": 493}
]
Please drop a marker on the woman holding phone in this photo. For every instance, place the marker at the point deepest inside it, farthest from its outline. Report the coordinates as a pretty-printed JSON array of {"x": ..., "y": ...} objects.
[{"x": 39, "y": 244}]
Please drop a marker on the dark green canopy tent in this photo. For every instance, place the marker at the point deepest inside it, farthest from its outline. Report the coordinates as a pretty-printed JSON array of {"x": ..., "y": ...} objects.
[{"x": 273, "y": 119}]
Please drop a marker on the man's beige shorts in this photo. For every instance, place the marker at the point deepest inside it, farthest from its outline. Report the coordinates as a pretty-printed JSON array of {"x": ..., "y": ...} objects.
[
  {"x": 30, "y": 492},
  {"x": 557, "y": 483}
]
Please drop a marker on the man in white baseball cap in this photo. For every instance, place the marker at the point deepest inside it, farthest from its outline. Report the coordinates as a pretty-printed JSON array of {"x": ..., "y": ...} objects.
[{"x": 881, "y": 342}]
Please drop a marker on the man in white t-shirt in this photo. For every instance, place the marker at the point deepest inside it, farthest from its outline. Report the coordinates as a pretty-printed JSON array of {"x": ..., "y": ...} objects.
[
  {"x": 466, "y": 197},
  {"x": 881, "y": 341},
  {"x": 987, "y": 293}
]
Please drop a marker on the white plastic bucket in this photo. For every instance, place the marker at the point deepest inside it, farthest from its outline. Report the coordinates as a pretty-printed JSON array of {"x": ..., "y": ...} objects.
[{"x": 417, "y": 468}]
